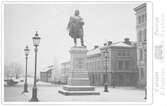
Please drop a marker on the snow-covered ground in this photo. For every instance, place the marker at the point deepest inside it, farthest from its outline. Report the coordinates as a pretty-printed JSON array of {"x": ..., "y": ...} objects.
[
  {"x": 30, "y": 82},
  {"x": 50, "y": 94}
]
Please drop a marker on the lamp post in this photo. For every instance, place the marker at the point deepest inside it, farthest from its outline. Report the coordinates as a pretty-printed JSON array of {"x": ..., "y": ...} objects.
[
  {"x": 106, "y": 77},
  {"x": 36, "y": 41},
  {"x": 26, "y": 50}
]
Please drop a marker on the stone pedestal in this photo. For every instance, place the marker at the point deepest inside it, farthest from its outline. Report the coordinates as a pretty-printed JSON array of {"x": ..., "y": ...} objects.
[{"x": 78, "y": 82}]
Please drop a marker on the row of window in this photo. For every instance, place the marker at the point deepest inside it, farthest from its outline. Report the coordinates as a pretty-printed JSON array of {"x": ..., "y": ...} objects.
[
  {"x": 123, "y": 65},
  {"x": 97, "y": 78},
  {"x": 95, "y": 65},
  {"x": 123, "y": 53},
  {"x": 141, "y": 19}
]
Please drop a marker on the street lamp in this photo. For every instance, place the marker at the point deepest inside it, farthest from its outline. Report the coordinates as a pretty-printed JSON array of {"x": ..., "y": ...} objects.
[
  {"x": 26, "y": 50},
  {"x": 36, "y": 41},
  {"x": 106, "y": 77}
]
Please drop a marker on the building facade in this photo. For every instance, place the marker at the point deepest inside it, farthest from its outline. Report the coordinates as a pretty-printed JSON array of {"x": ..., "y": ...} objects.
[
  {"x": 48, "y": 74},
  {"x": 95, "y": 66},
  {"x": 44, "y": 76},
  {"x": 121, "y": 64},
  {"x": 141, "y": 29},
  {"x": 65, "y": 69}
]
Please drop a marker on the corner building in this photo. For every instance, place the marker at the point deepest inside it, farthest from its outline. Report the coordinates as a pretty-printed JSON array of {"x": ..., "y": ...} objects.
[
  {"x": 141, "y": 29},
  {"x": 121, "y": 64}
]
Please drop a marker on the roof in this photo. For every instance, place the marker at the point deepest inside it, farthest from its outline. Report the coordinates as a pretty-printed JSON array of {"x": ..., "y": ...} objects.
[
  {"x": 64, "y": 63},
  {"x": 121, "y": 44},
  {"x": 44, "y": 70},
  {"x": 140, "y": 7},
  {"x": 47, "y": 68},
  {"x": 116, "y": 44},
  {"x": 94, "y": 51}
]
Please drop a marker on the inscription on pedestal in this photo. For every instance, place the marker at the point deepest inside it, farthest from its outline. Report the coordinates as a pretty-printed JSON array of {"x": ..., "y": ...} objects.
[{"x": 79, "y": 63}]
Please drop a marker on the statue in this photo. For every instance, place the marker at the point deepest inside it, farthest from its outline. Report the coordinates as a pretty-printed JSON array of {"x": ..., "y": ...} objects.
[{"x": 75, "y": 28}]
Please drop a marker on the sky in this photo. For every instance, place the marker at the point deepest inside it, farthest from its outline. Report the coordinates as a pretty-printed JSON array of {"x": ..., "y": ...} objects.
[{"x": 103, "y": 22}]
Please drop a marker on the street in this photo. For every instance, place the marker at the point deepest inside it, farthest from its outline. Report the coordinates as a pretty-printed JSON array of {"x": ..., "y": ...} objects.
[{"x": 49, "y": 93}]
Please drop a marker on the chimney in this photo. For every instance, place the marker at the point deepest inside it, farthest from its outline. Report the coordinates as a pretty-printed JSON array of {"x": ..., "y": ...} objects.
[
  {"x": 96, "y": 46},
  {"x": 109, "y": 42},
  {"x": 127, "y": 41}
]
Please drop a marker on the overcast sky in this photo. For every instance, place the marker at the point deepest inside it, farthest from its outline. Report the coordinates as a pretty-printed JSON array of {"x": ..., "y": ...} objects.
[{"x": 103, "y": 22}]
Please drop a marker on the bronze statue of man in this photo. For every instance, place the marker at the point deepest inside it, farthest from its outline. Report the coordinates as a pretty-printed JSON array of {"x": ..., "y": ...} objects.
[{"x": 75, "y": 28}]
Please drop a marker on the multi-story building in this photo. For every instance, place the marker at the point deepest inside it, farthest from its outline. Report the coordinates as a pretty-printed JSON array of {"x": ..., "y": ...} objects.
[
  {"x": 141, "y": 29},
  {"x": 65, "y": 69},
  {"x": 121, "y": 64}
]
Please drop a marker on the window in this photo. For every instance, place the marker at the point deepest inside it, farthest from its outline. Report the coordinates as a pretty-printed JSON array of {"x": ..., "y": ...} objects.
[
  {"x": 141, "y": 54},
  {"x": 93, "y": 79},
  {"x": 143, "y": 18},
  {"x": 120, "y": 65},
  {"x": 95, "y": 63},
  {"x": 142, "y": 73},
  {"x": 139, "y": 19},
  {"x": 123, "y": 53},
  {"x": 140, "y": 36},
  {"x": 119, "y": 53},
  {"x": 144, "y": 34},
  {"x": 127, "y": 65},
  {"x": 98, "y": 65},
  {"x": 128, "y": 54}
]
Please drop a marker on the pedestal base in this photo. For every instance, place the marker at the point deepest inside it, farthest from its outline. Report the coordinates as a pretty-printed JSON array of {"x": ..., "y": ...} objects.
[
  {"x": 78, "y": 82},
  {"x": 78, "y": 90}
]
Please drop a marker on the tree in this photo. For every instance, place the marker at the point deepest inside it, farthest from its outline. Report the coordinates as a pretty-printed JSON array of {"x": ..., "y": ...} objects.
[{"x": 13, "y": 70}]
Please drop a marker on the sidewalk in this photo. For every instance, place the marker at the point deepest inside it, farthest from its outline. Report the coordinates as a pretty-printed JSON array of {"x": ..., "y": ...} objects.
[{"x": 50, "y": 94}]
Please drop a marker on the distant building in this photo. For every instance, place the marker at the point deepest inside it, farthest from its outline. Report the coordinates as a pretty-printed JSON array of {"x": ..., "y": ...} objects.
[
  {"x": 48, "y": 74},
  {"x": 141, "y": 21},
  {"x": 65, "y": 69},
  {"x": 44, "y": 76},
  {"x": 121, "y": 64}
]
